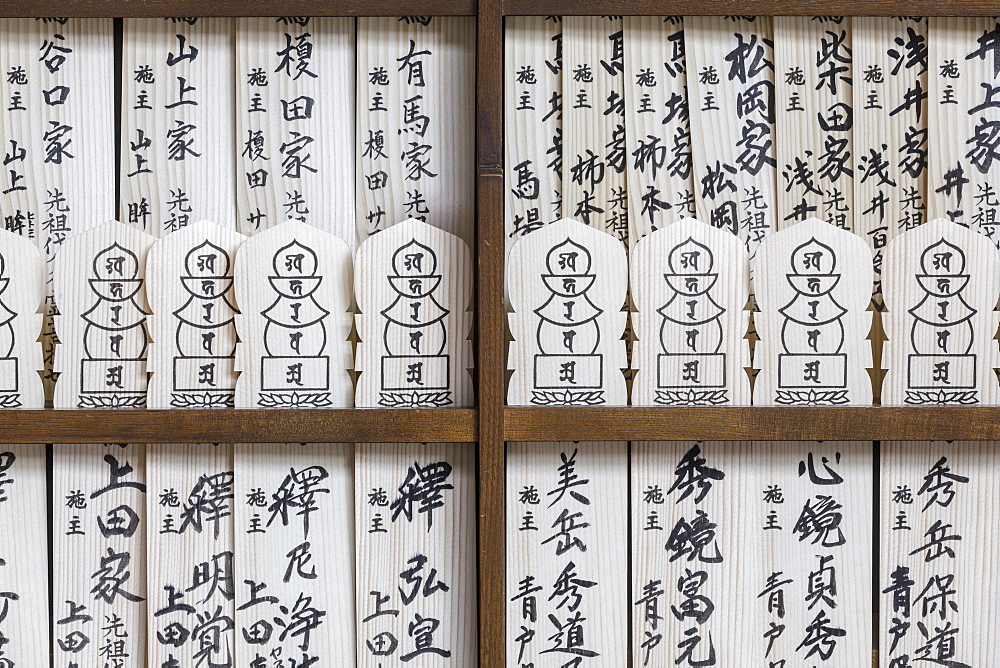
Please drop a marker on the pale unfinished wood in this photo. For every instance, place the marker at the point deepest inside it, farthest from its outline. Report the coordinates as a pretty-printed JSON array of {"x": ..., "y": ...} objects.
[
  {"x": 890, "y": 129},
  {"x": 533, "y": 126},
  {"x": 567, "y": 289},
  {"x": 941, "y": 283},
  {"x": 57, "y": 129},
  {"x": 22, "y": 294},
  {"x": 99, "y": 554},
  {"x": 413, "y": 287},
  {"x": 657, "y": 126},
  {"x": 824, "y": 546},
  {"x": 190, "y": 546},
  {"x": 813, "y": 282},
  {"x": 415, "y": 533},
  {"x": 814, "y": 102},
  {"x": 99, "y": 283},
  {"x": 293, "y": 286},
  {"x": 415, "y": 142},
  {"x": 936, "y": 498},
  {"x": 295, "y": 123},
  {"x": 567, "y": 545},
  {"x": 595, "y": 153},
  {"x": 690, "y": 284},
  {"x": 677, "y": 486},
  {"x": 178, "y": 147},
  {"x": 24, "y": 556},
  {"x": 189, "y": 286},
  {"x": 963, "y": 177},
  {"x": 294, "y": 524},
  {"x": 733, "y": 151}
]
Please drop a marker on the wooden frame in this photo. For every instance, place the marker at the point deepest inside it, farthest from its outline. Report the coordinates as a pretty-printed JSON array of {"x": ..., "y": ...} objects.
[{"x": 491, "y": 424}]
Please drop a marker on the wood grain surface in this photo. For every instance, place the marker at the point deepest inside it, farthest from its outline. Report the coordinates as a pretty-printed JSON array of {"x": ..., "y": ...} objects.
[
  {"x": 262, "y": 425},
  {"x": 161, "y": 8},
  {"x": 757, "y": 423}
]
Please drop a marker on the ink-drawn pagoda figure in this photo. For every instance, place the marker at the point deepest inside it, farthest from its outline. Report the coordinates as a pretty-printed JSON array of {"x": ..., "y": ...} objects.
[
  {"x": 813, "y": 285},
  {"x": 567, "y": 285},
  {"x": 812, "y": 335},
  {"x": 205, "y": 321},
  {"x": 415, "y": 335},
  {"x": 942, "y": 332},
  {"x": 99, "y": 284},
  {"x": 115, "y": 336},
  {"x": 190, "y": 287},
  {"x": 692, "y": 315},
  {"x": 293, "y": 291},
  {"x": 21, "y": 296},
  {"x": 690, "y": 285},
  {"x": 413, "y": 287},
  {"x": 9, "y": 395},
  {"x": 568, "y": 334},
  {"x": 940, "y": 283},
  {"x": 295, "y": 335}
]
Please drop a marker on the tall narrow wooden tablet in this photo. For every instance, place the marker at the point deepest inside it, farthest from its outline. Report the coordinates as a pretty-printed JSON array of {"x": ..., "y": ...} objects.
[
  {"x": 657, "y": 125},
  {"x": 690, "y": 285},
  {"x": 567, "y": 554},
  {"x": 415, "y": 531},
  {"x": 295, "y": 123},
  {"x": 177, "y": 139},
  {"x": 940, "y": 282},
  {"x": 24, "y": 557},
  {"x": 415, "y": 146},
  {"x": 567, "y": 288},
  {"x": 731, "y": 93},
  {"x": 293, "y": 288},
  {"x": 294, "y": 553},
  {"x": 813, "y": 284},
  {"x": 890, "y": 129},
  {"x": 814, "y": 599},
  {"x": 189, "y": 284},
  {"x": 190, "y": 577},
  {"x": 533, "y": 129},
  {"x": 594, "y": 187},
  {"x": 99, "y": 555},
  {"x": 815, "y": 103},
  {"x": 56, "y": 125},
  {"x": 413, "y": 286},
  {"x": 696, "y": 554},
  {"x": 938, "y": 571},
  {"x": 964, "y": 176},
  {"x": 99, "y": 283}
]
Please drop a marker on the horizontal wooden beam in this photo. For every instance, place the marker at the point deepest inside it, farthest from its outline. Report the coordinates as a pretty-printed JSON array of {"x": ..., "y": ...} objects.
[
  {"x": 855, "y": 423},
  {"x": 354, "y": 425},
  {"x": 161, "y": 8},
  {"x": 750, "y": 7}
]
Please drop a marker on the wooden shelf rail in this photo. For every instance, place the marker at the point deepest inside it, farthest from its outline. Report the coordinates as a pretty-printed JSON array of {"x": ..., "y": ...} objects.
[
  {"x": 348, "y": 425},
  {"x": 761, "y": 423},
  {"x": 160, "y": 8},
  {"x": 749, "y": 8}
]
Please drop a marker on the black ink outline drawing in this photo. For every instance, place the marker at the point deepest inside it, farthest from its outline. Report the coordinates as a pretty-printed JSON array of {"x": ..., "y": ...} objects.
[
  {"x": 10, "y": 395},
  {"x": 207, "y": 308},
  {"x": 115, "y": 301},
  {"x": 937, "y": 318},
  {"x": 803, "y": 378},
  {"x": 568, "y": 319},
  {"x": 421, "y": 380},
  {"x": 691, "y": 308},
  {"x": 295, "y": 313}
]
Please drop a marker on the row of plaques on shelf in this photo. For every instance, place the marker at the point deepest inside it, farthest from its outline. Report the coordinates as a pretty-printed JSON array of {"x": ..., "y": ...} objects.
[
  {"x": 208, "y": 318},
  {"x": 691, "y": 286}
]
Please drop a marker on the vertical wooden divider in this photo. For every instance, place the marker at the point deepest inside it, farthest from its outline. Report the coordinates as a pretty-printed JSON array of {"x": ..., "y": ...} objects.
[{"x": 490, "y": 335}]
